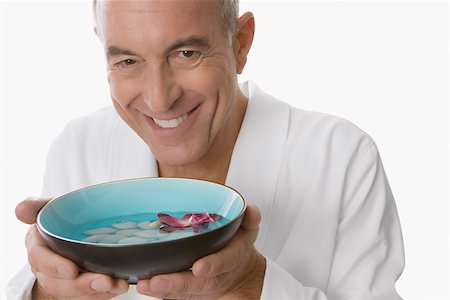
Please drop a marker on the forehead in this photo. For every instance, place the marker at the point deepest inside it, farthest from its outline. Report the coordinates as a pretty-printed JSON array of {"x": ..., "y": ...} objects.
[{"x": 156, "y": 20}]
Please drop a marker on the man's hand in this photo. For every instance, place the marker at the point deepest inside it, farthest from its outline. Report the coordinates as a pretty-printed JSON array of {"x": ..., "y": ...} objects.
[
  {"x": 57, "y": 276},
  {"x": 235, "y": 272}
]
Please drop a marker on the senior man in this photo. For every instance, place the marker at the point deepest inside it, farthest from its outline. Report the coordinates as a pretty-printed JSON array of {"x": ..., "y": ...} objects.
[{"x": 325, "y": 226}]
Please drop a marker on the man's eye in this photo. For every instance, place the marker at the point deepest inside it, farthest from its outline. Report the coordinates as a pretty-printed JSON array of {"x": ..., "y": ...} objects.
[
  {"x": 185, "y": 58},
  {"x": 126, "y": 65},
  {"x": 127, "y": 62},
  {"x": 186, "y": 53}
]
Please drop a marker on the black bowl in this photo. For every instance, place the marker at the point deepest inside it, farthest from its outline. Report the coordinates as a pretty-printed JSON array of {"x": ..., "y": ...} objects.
[{"x": 63, "y": 221}]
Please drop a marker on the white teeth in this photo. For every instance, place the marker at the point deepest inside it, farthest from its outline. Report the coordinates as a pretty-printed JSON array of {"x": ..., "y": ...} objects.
[{"x": 171, "y": 123}]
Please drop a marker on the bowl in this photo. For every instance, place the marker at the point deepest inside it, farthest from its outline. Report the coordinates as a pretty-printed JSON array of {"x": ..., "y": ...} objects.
[{"x": 81, "y": 225}]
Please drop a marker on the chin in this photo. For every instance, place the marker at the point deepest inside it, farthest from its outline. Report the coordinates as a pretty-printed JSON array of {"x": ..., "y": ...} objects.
[{"x": 177, "y": 157}]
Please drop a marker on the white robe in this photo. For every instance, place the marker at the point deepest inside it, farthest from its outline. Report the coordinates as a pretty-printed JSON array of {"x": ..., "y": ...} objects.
[{"x": 329, "y": 227}]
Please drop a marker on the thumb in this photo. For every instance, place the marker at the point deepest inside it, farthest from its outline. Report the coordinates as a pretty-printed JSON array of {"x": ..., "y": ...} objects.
[
  {"x": 27, "y": 210},
  {"x": 252, "y": 217}
]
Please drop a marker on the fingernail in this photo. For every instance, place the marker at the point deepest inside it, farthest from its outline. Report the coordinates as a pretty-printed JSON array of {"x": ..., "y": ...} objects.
[
  {"x": 63, "y": 271},
  {"x": 161, "y": 285},
  {"x": 100, "y": 285}
]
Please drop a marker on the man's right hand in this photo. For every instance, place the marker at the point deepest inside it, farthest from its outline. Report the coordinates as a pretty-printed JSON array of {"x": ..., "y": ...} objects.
[{"x": 57, "y": 276}]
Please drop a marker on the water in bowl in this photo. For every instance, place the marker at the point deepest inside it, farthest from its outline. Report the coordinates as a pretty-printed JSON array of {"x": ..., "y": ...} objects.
[{"x": 136, "y": 229}]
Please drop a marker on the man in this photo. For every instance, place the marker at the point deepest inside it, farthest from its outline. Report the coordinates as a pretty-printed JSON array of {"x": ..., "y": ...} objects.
[{"x": 326, "y": 226}]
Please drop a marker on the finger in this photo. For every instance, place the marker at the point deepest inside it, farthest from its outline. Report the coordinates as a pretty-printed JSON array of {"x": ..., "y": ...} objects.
[
  {"x": 252, "y": 218},
  {"x": 27, "y": 210},
  {"x": 232, "y": 255},
  {"x": 214, "y": 269},
  {"x": 42, "y": 259},
  {"x": 86, "y": 284},
  {"x": 227, "y": 259},
  {"x": 182, "y": 285}
]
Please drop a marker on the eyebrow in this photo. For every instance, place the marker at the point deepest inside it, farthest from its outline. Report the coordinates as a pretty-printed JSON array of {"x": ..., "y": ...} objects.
[
  {"x": 197, "y": 41},
  {"x": 194, "y": 40},
  {"x": 115, "y": 51}
]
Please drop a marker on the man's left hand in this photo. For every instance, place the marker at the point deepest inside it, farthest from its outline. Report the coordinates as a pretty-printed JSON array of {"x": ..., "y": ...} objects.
[{"x": 235, "y": 272}]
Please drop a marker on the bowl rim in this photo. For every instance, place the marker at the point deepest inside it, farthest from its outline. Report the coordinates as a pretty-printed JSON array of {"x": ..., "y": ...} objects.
[{"x": 43, "y": 230}]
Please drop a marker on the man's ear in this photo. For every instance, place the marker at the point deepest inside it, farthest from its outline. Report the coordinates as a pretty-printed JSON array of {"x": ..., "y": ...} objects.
[{"x": 243, "y": 40}]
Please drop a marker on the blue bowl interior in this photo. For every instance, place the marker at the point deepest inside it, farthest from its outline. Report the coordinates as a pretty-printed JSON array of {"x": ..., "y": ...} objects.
[{"x": 64, "y": 216}]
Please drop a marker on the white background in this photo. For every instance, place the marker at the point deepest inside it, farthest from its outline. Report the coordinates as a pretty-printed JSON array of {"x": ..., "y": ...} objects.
[{"x": 383, "y": 65}]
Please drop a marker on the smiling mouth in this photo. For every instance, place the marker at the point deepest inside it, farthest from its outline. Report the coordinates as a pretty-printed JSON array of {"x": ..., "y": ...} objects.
[{"x": 173, "y": 123}]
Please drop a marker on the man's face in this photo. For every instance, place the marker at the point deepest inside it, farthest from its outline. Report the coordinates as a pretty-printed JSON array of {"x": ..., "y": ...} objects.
[{"x": 172, "y": 73}]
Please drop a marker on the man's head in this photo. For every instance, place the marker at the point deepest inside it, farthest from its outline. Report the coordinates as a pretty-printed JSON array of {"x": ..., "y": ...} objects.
[
  {"x": 172, "y": 70},
  {"x": 228, "y": 11}
]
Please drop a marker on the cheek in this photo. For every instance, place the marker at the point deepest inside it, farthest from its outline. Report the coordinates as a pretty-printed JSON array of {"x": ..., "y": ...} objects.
[
  {"x": 220, "y": 87},
  {"x": 122, "y": 91},
  {"x": 210, "y": 80},
  {"x": 122, "y": 95}
]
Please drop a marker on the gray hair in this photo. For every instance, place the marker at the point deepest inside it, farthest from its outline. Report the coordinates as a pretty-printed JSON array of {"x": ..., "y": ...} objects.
[{"x": 229, "y": 12}]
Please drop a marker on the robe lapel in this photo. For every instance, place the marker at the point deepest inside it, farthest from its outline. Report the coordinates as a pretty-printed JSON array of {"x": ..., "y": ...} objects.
[{"x": 258, "y": 153}]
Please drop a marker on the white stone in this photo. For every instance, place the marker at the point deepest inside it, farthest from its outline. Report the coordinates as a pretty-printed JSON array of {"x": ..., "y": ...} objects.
[
  {"x": 95, "y": 238},
  {"x": 150, "y": 234},
  {"x": 128, "y": 232},
  {"x": 143, "y": 224},
  {"x": 149, "y": 225},
  {"x": 112, "y": 239},
  {"x": 125, "y": 225}
]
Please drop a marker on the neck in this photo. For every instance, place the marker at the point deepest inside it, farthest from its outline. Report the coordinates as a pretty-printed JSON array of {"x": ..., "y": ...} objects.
[{"x": 213, "y": 166}]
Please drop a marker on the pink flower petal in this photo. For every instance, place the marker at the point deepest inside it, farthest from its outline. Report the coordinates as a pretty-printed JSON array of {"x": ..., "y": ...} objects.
[
  {"x": 203, "y": 218},
  {"x": 193, "y": 220},
  {"x": 215, "y": 217},
  {"x": 173, "y": 222}
]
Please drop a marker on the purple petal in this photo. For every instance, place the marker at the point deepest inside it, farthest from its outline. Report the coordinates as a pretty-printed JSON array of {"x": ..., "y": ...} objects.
[
  {"x": 203, "y": 218},
  {"x": 193, "y": 220},
  {"x": 215, "y": 217},
  {"x": 173, "y": 222},
  {"x": 189, "y": 216}
]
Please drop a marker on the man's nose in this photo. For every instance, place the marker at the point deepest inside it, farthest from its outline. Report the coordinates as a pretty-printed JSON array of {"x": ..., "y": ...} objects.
[{"x": 160, "y": 90}]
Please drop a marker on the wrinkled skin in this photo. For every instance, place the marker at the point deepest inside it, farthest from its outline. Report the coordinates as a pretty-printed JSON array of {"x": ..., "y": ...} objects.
[
  {"x": 58, "y": 277},
  {"x": 171, "y": 59},
  {"x": 173, "y": 79},
  {"x": 235, "y": 272}
]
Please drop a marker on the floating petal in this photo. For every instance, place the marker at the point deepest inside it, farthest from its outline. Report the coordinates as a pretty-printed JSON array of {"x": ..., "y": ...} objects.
[
  {"x": 188, "y": 220},
  {"x": 174, "y": 222},
  {"x": 201, "y": 218}
]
